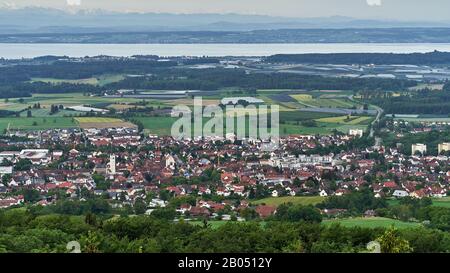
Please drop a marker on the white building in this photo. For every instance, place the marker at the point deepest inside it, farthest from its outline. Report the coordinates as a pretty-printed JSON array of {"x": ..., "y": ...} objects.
[
  {"x": 400, "y": 194},
  {"x": 356, "y": 132},
  {"x": 170, "y": 162},
  {"x": 236, "y": 100},
  {"x": 112, "y": 164},
  {"x": 6, "y": 170},
  {"x": 421, "y": 148},
  {"x": 443, "y": 147},
  {"x": 36, "y": 156}
]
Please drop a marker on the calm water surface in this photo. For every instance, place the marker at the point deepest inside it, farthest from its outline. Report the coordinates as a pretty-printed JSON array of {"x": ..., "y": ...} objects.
[{"x": 16, "y": 51}]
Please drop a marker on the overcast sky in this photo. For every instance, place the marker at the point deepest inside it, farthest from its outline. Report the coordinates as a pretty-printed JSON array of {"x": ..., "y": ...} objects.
[{"x": 405, "y": 10}]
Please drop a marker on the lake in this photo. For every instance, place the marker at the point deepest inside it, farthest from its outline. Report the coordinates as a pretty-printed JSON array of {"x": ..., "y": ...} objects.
[{"x": 16, "y": 51}]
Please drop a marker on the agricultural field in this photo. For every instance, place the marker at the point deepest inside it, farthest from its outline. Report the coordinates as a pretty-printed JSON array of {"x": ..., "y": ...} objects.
[
  {"x": 69, "y": 99},
  {"x": 296, "y": 200},
  {"x": 373, "y": 222},
  {"x": 35, "y": 123},
  {"x": 92, "y": 81},
  {"x": 290, "y": 116},
  {"x": 325, "y": 123},
  {"x": 294, "y": 129},
  {"x": 324, "y": 101},
  {"x": 157, "y": 125},
  {"x": 162, "y": 125},
  {"x": 434, "y": 87},
  {"x": 46, "y": 113},
  {"x": 349, "y": 120},
  {"x": 190, "y": 102},
  {"x": 99, "y": 80},
  {"x": 98, "y": 122},
  {"x": 419, "y": 119}
]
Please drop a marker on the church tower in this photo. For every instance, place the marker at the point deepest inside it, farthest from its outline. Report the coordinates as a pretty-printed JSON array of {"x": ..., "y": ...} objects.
[{"x": 112, "y": 164}]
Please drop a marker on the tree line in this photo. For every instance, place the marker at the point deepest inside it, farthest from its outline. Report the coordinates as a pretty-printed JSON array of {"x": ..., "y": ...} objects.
[{"x": 430, "y": 58}]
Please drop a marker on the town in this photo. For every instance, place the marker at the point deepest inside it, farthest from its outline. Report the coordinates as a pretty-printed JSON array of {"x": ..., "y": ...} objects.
[{"x": 220, "y": 180}]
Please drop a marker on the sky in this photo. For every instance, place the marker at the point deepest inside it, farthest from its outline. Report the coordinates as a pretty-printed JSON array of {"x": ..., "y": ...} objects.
[{"x": 401, "y": 10}]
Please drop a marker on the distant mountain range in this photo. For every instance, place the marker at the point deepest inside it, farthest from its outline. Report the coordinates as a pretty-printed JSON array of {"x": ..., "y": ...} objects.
[{"x": 44, "y": 20}]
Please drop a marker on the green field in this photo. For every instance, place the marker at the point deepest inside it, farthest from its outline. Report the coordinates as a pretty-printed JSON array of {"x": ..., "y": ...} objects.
[
  {"x": 324, "y": 101},
  {"x": 99, "y": 80},
  {"x": 302, "y": 115},
  {"x": 437, "y": 202},
  {"x": 157, "y": 125},
  {"x": 373, "y": 222},
  {"x": 214, "y": 224},
  {"x": 46, "y": 113},
  {"x": 67, "y": 99},
  {"x": 37, "y": 123},
  {"x": 92, "y": 81},
  {"x": 97, "y": 120},
  {"x": 162, "y": 126},
  {"x": 442, "y": 202},
  {"x": 349, "y": 120},
  {"x": 320, "y": 129},
  {"x": 290, "y": 119},
  {"x": 425, "y": 119},
  {"x": 297, "y": 200}
]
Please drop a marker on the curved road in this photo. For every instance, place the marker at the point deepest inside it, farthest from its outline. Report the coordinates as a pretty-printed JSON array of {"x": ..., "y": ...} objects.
[{"x": 377, "y": 119}]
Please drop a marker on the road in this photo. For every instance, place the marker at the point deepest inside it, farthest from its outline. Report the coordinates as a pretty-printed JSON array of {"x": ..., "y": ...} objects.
[{"x": 377, "y": 119}]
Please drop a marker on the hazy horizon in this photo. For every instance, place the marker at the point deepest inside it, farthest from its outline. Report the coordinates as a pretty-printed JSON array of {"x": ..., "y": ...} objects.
[{"x": 396, "y": 10}]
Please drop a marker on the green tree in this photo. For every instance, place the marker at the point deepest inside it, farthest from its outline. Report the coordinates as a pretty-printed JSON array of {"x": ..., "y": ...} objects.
[
  {"x": 140, "y": 207},
  {"x": 391, "y": 242}
]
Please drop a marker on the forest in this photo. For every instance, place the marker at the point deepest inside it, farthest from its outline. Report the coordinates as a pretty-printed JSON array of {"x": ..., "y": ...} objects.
[
  {"x": 293, "y": 229},
  {"x": 16, "y": 80},
  {"x": 421, "y": 102},
  {"x": 213, "y": 79}
]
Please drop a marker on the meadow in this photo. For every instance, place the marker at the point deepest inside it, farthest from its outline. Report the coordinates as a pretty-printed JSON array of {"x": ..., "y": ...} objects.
[
  {"x": 67, "y": 99},
  {"x": 296, "y": 200},
  {"x": 373, "y": 222},
  {"x": 349, "y": 120},
  {"x": 425, "y": 119},
  {"x": 162, "y": 126},
  {"x": 35, "y": 123},
  {"x": 99, "y": 122},
  {"x": 291, "y": 120},
  {"x": 325, "y": 101},
  {"x": 100, "y": 80},
  {"x": 45, "y": 113}
]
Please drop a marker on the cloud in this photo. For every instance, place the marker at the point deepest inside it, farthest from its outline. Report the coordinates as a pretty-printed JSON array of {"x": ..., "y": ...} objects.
[
  {"x": 8, "y": 5},
  {"x": 74, "y": 2},
  {"x": 374, "y": 3}
]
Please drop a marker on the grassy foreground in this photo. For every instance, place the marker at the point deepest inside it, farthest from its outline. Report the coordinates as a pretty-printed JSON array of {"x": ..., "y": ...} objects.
[{"x": 296, "y": 200}]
